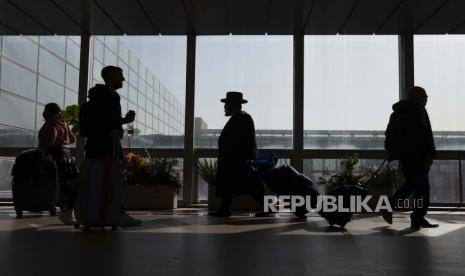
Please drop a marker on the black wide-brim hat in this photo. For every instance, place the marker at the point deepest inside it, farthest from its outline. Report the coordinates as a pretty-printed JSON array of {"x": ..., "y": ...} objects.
[{"x": 234, "y": 97}]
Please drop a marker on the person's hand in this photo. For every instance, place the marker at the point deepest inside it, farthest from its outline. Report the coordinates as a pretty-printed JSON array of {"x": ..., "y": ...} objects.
[{"x": 130, "y": 116}]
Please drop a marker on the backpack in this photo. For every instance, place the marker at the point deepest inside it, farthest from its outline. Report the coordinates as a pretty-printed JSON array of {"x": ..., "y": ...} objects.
[
  {"x": 392, "y": 143},
  {"x": 86, "y": 113}
]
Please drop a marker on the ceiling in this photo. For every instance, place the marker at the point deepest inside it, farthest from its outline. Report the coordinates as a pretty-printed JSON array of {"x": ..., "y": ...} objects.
[{"x": 237, "y": 17}]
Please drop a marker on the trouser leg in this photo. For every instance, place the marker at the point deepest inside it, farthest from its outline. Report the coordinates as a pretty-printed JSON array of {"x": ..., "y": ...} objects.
[
  {"x": 421, "y": 192},
  {"x": 407, "y": 187},
  {"x": 72, "y": 197},
  {"x": 258, "y": 196},
  {"x": 226, "y": 203}
]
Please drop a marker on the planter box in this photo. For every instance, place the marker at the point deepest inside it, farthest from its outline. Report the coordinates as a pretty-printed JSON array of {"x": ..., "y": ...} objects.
[
  {"x": 150, "y": 197},
  {"x": 239, "y": 203}
]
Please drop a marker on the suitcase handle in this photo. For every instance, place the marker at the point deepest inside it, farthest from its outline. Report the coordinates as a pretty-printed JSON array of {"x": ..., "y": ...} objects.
[{"x": 378, "y": 171}]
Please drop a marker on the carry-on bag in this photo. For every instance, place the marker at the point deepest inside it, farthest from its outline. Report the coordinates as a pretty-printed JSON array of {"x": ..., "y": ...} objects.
[
  {"x": 286, "y": 180},
  {"x": 34, "y": 183}
]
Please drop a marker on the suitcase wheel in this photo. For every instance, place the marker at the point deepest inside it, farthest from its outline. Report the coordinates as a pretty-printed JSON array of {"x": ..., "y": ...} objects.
[
  {"x": 86, "y": 228},
  {"x": 76, "y": 226},
  {"x": 114, "y": 227},
  {"x": 19, "y": 214}
]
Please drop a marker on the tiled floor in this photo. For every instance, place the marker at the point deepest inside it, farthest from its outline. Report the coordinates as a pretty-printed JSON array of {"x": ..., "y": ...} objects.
[{"x": 187, "y": 242}]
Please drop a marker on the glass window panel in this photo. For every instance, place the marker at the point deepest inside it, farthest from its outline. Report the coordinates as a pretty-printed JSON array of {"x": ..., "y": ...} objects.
[
  {"x": 76, "y": 39},
  {"x": 112, "y": 43},
  {"x": 110, "y": 57},
  {"x": 14, "y": 137},
  {"x": 148, "y": 58},
  {"x": 51, "y": 66},
  {"x": 6, "y": 165},
  {"x": 71, "y": 97},
  {"x": 258, "y": 66},
  {"x": 439, "y": 66},
  {"x": 142, "y": 71},
  {"x": 133, "y": 79},
  {"x": 39, "y": 118},
  {"x": 125, "y": 69},
  {"x": 123, "y": 91},
  {"x": 133, "y": 62},
  {"x": 141, "y": 86},
  {"x": 55, "y": 44},
  {"x": 124, "y": 106},
  {"x": 16, "y": 112},
  {"x": 18, "y": 80},
  {"x": 132, "y": 94},
  {"x": 73, "y": 53},
  {"x": 123, "y": 52},
  {"x": 98, "y": 49},
  {"x": 33, "y": 37},
  {"x": 444, "y": 181},
  {"x": 97, "y": 70},
  {"x": 149, "y": 120},
  {"x": 349, "y": 90},
  {"x": 21, "y": 50},
  {"x": 50, "y": 92},
  {"x": 150, "y": 78},
  {"x": 141, "y": 100},
  {"x": 72, "y": 77}
]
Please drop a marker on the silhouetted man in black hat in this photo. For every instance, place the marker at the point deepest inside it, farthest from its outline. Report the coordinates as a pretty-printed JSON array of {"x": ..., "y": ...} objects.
[
  {"x": 409, "y": 139},
  {"x": 236, "y": 148}
]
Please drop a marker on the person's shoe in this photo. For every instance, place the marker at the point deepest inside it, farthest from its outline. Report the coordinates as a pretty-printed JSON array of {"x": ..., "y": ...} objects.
[
  {"x": 423, "y": 223},
  {"x": 126, "y": 220},
  {"x": 67, "y": 217},
  {"x": 387, "y": 216},
  {"x": 265, "y": 214},
  {"x": 220, "y": 214}
]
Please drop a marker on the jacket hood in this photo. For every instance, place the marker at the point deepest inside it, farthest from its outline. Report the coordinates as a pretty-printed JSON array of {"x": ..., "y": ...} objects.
[
  {"x": 97, "y": 92},
  {"x": 404, "y": 104}
]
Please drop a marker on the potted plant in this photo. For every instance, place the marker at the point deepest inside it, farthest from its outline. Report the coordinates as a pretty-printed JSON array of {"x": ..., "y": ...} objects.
[
  {"x": 376, "y": 182},
  {"x": 150, "y": 183},
  {"x": 347, "y": 176},
  {"x": 71, "y": 116},
  {"x": 207, "y": 171}
]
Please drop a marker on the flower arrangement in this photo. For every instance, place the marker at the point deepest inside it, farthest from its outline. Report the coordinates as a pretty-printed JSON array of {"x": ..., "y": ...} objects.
[
  {"x": 150, "y": 171},
  {"x": 136, "y": 170}
]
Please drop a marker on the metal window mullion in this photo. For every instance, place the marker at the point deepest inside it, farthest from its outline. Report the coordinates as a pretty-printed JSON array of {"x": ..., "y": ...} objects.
[
  {"x": 406, "y": 64},
  {"x": 85, "y": 66},
  {"x": 189, "y": 185},
  {"x": 460, "y": 182},
  {"x": 298, "y": 101}
]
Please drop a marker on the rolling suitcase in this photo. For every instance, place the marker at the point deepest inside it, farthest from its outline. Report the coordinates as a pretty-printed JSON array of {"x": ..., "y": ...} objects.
[
  {"x": 286, "y": 180},
  {"x": 34, "y": 183},
  {"x": 342, "y": 218},
  {"x": 99, "y": 193}
]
